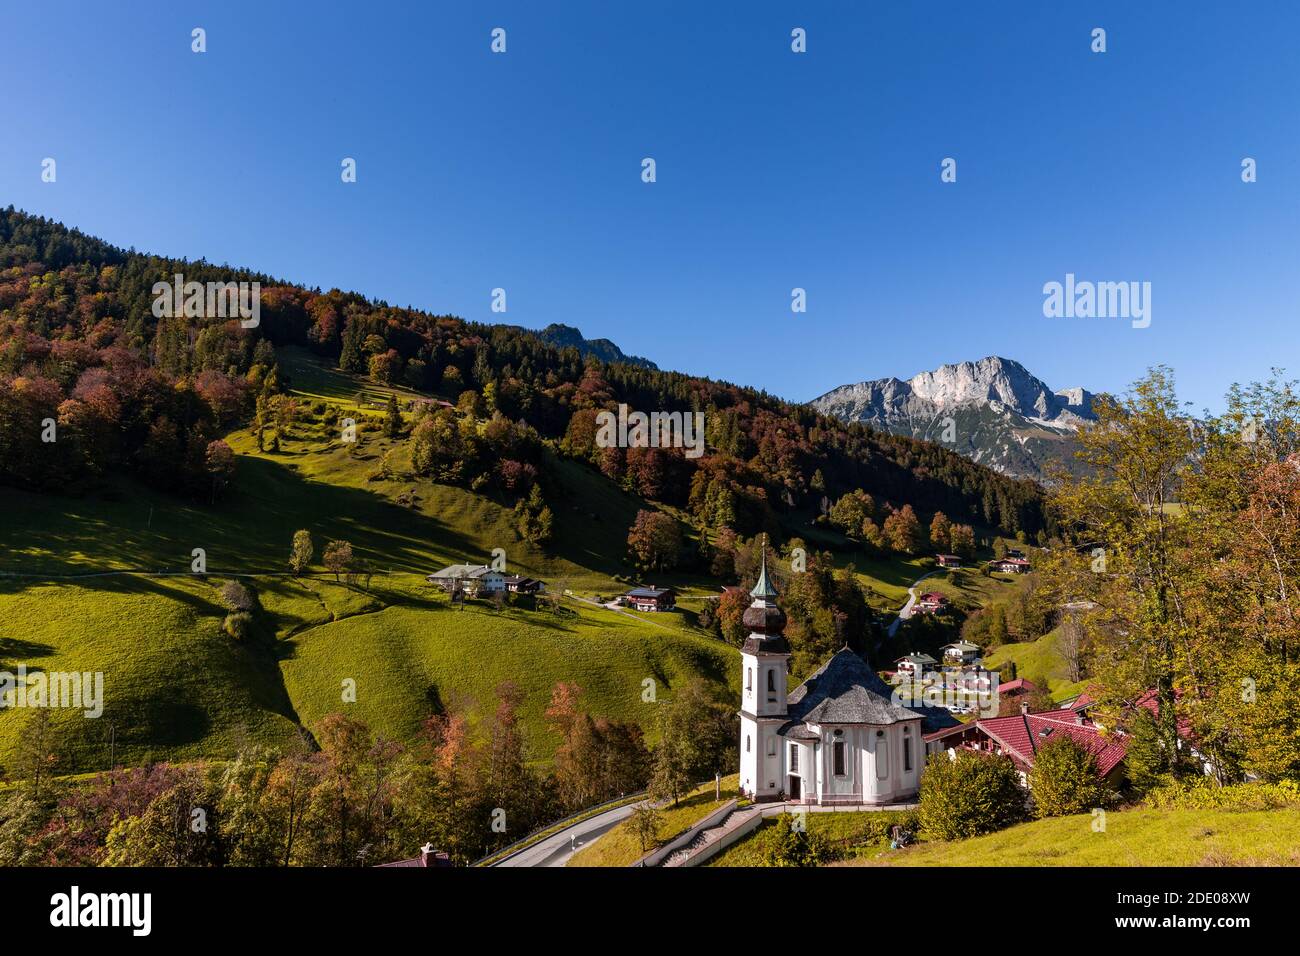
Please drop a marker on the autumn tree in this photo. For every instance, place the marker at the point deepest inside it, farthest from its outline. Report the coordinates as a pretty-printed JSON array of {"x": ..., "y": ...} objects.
[
  {"x": 1137, "y": 456},
  {"x": 902, "y": 530},
  {"x": 338, "y": 557},
  {"x": 961, "y": 540},
  {"x": 941, "y": 532},
  {"x": 301, "y": 554},
  {"x": 654, "y": 541},
  {"x": 220, "y": 462}
]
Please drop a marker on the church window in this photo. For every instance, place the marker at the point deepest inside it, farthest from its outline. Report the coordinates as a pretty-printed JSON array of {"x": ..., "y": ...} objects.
[
  {"x": 794, "y": 758},
  {"x": 907, "y": 754},
  {"x": 837, "y": 758},
  {"x": 746, "y": 743},
  {"x": 771, "y": 747},
  {"x": 771, "y": 681},
  {"x": 882, "y": 755}
]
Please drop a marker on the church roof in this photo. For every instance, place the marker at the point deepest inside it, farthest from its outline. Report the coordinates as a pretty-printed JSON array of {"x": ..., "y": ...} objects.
[
  {"x": 846, "y": 691},
  {"x": 763, "y": 588}
]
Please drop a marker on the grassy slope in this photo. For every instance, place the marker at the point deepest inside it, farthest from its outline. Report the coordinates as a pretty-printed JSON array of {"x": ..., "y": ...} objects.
[
  {"x": 1131, "y": 838},
  {"x": 409, "y": 662},
  {"x": 174, "y": 684},
  {"x": 620, "y": 847},
  {"x": 177, "y": 687},
  {"x": 1040, "y": 662}
]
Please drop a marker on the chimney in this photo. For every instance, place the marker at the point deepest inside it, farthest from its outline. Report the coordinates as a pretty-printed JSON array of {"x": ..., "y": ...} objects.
[
  {"x": 1024, "y": 707},
  {"x": 427, "y": 855}
]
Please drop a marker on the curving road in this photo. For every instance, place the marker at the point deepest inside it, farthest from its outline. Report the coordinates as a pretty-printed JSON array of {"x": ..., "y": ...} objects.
[
  {"x": 906, "y": 611},
  {"x": 556, "y": 849}
]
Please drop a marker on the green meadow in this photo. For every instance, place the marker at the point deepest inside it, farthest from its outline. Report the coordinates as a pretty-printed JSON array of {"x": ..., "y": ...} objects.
[{"x": 103, "y": 583}]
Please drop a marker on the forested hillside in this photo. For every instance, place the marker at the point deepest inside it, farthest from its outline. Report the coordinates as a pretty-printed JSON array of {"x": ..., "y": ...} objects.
[{"x": 79, "y": 343}]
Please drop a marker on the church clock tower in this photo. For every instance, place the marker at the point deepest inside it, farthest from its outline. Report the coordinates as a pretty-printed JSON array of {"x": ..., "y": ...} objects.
[{"x": 765, "y": 665}]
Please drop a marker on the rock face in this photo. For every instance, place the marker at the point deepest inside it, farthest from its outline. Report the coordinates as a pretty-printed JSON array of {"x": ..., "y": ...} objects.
[
  {"x": 566, "y": 336},
  {"x": 992, "y": 410}
]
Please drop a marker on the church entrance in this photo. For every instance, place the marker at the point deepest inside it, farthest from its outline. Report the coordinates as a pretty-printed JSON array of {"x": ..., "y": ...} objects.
[{"x": 793, "y": 788}]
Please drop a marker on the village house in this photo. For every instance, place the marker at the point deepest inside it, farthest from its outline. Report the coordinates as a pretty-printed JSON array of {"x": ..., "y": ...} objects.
[
  {"x": 915, "y": 664},
  {"x": 1016, "y": 688},
  {"x": 838, "y": 738},
  {"x": 429, "y": 857},
  {"x": 1022, "y": 735},
  {"x": 651, "y": 598},
  {"x": 930, "y": 603},
  {"x": 948, "y": 560},
  {"x": 1010, "y": 565},
  {"x": 473, "y": 579},
  {"x": 961, "y": 653},
  {"x": 516, "y": 584}
]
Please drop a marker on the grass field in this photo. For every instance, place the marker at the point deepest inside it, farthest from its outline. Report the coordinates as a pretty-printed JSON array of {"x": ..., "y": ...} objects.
[
  {"x": 620, "y": 847},
  {"x": 177, "y": 687},
  {"x": 1131, "y": 838}
]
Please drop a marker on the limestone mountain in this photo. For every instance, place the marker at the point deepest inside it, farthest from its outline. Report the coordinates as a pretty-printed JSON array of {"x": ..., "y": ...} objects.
[{"x": 994, "y": 411}]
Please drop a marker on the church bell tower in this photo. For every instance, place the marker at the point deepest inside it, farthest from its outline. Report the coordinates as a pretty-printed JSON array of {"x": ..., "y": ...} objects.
[{"x": 765, "y": 660}]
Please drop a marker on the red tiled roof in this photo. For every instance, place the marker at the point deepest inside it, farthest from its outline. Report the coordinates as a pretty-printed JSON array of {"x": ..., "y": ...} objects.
[
  {"x": 1014, "y": 685},
  {"x": 1022, "y": 735}
]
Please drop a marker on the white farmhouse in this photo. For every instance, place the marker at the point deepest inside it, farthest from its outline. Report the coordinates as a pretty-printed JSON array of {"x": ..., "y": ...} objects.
[{"x": 476, "y": 579}]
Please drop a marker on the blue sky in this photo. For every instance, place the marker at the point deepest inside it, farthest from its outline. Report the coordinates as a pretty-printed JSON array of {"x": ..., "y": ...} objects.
[{"x": 775, "y": 170}]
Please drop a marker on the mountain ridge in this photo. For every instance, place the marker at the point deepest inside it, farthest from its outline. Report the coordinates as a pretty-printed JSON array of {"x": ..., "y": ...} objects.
[{"x": 993, "y": 410}]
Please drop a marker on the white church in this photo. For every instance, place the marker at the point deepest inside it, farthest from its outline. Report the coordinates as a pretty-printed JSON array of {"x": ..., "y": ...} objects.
[{"x": 838, "y": 738}]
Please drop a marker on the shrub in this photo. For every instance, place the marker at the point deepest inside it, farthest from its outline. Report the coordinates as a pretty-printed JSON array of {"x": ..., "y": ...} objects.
[
  {"x": 1242, "y": 797},
  {"x": 1065, "y": 780},
  {"x": 970, "y": 794},
  {"x": 236, "y": 597},
  {"x": 238, "y": 624},
  {"x": 793, "y": 846}
]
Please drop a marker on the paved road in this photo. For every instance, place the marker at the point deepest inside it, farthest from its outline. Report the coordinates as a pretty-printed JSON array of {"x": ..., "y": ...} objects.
[
  {"x": 556, "y": 849},
  {"x": 906, "y": 611}
]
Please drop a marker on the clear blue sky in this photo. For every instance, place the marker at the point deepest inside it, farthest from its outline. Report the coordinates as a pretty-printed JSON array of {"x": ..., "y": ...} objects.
[{"x": 775, "y": 170}]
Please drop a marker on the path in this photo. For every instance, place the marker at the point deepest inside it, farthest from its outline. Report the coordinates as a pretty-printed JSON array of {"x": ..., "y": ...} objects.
[
  {"x": 906, "y": 610},
  {"x": 611, "y": 606}
]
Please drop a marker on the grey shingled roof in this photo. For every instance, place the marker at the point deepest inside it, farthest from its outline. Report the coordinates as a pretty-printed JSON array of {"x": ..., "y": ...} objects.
[{"x": 845, "y": 691}]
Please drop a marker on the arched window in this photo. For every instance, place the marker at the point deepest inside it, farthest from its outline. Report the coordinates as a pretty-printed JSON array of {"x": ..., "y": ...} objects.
[
  {"x": 749, "y": 679},
  {"x": 882, "y": 755},
  {"x": 771, "y": 681},
  {"x": 746, "y": 743}
]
